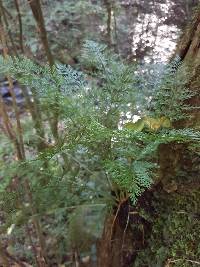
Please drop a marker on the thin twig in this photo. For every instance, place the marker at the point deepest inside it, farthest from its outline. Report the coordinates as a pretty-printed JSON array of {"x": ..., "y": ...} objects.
[
  {"x": 20, "y": 25},
  {"x": 17, "y": 116},
  {"x": 2, "y": 13},
  {"x": 115, "y": 218},
  {"x": 124, "y": 234},
  {"x": 187, "y": 260},
  {"x": 19, "y": 144},
  {"x": 9, "y": 128},
  {"x": 125, "y": 229}
]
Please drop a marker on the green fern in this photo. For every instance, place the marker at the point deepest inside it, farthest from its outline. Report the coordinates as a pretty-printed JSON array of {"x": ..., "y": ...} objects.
[{"x": 94, "y": 153}]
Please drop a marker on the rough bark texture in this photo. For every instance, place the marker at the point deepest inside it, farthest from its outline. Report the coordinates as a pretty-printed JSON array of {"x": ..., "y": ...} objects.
[
  {"x": 179, "y": 172},
  {"x": 125, "y": 233},
  {"x": 188, "y": 49}
]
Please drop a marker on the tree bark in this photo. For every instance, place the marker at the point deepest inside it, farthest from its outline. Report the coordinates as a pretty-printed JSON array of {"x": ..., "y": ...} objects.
[
  {"x": 20, "y": 25},
  {"x": 108, "y": 6},
  {"x": 110, "y": 246},
  {"x": 38, "y": 15},
  {"x": 188, "y": 49},
  {"x": 176, "y": 158}
]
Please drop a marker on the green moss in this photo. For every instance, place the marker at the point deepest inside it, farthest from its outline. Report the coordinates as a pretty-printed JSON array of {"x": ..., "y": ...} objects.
[{"x": 175, "y": 234}]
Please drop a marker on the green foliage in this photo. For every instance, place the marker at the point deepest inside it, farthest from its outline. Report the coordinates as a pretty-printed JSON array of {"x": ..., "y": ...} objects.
[
  {"x": 163, "y": 90},
  {"x": 132, "y": 179},
  {"x": 171, "y": 94},
  {"x": 94, "y": 153}
]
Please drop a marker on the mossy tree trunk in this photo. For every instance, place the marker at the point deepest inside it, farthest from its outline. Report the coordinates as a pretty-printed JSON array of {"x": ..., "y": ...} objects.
[
  {"x": 175, "y": 230},
  {"x": 188, "y": 49},
  {"x": 171, "y": 156}
]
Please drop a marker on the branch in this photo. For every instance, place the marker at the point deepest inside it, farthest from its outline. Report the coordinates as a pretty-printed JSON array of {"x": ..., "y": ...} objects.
[{"x": 20, "y": 25}]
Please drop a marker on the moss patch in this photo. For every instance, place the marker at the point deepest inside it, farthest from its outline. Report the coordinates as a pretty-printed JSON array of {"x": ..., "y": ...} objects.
[{"x": 175, "y": 237}]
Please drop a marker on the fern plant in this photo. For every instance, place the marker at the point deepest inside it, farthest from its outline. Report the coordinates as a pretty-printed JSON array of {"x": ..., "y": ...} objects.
[
  {"x": 169, "y": 93},
  {"x": 94, "y": 155}
]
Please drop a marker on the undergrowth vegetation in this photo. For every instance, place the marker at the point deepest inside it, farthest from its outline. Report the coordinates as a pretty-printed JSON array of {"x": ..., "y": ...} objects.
[{"x": 83, "y": 152}]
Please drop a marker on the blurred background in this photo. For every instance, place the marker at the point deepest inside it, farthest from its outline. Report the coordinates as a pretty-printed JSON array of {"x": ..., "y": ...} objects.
[{"x": 142, "y": 30}]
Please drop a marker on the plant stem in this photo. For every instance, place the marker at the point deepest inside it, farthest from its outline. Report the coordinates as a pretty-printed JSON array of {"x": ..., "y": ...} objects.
[
  {"x": 17, "y": 116},
  {"x": 20, "y": 25},
  {"x": 38, "y": 15},
  {"x": 3, "y": 15}
]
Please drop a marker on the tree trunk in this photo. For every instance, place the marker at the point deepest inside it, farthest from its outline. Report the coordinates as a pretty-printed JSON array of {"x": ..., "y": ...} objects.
[
  {"x": 108, "y": 6},
  {"x": 149, "y": 245},
  {"x": 124, "y": 233},
  {"x": 179, "y": 171},
  {"x": 110, "y": 246},
  {"x": 188, "y": 49},
  {"x": 38, "y": 15},
  {"x": 20, "y": 25}
]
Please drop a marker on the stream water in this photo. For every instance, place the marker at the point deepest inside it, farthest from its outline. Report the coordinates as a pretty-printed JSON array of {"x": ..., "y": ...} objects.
[{"x": 5, "y": 92}]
